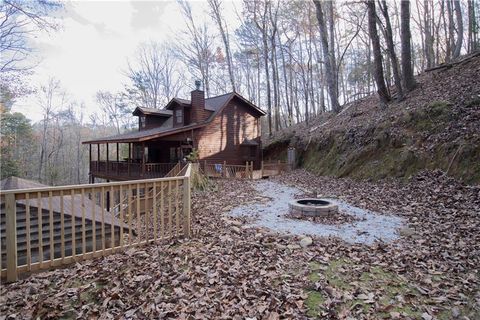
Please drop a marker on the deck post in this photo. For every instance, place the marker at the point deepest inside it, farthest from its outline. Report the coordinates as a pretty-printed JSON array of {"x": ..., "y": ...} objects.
[
  {"x": 108, "y": 163},
  {"x": 261, "y": 170},
  {"x": 186, "y": 205},
  {"x": 98, "y": 156},
  {"x": 107, "y": 193},
  {"x": 90, "y": 157},
  {"x": 118, "y": 160},
  {"x": 129, "y": 159},
  {"x": 224, "y": 168},
  {"x": 11, "y": 237},
  {"x": 143, "y": 159}
]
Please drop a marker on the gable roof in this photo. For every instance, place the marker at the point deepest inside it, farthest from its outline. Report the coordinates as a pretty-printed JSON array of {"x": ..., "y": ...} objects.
[
  {"x": 152, "y": 111},
  {"x": 215, "y": 104},
  {"x": 15, "y": 183}
]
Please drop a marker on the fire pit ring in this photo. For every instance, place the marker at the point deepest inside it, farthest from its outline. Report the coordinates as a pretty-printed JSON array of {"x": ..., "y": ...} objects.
[{"x": 312, "y": 207}]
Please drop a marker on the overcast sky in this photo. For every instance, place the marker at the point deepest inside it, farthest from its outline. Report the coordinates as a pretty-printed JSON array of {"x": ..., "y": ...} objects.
[{"x": 90, "y": 51}]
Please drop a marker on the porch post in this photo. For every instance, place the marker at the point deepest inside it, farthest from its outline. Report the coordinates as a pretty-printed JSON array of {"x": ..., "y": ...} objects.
[
  {"x": 143, "y": 159},
  {"x": 11, "y": 236},
  {"x": 108, "y": 163},
  {"x": 90, "y": 157},
  {"x": 129, "y": 158},
  {"x": 98, "y": 156},
  {"x": 118, "y": 159}
]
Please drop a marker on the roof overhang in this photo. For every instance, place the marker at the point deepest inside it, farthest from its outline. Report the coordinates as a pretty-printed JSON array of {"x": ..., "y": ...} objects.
[
  {"x": 149, "y": 135},
  {"x": 158, "y": 113},
  {"x": 174, "y": 101}
]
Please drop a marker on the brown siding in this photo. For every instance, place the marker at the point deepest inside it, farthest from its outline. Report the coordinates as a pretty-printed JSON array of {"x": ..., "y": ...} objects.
[
  {"x": 221, "y": 139},
  {"x": 153, "y": 122}
]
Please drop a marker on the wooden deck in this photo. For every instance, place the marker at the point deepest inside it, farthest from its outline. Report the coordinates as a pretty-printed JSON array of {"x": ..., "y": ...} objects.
[
  {"x": 44, "y": 227},
  {"x": 125, "y": 170}
]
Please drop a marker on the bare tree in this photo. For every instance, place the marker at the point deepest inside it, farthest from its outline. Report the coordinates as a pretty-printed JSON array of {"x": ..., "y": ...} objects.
[
  {"x": 327, "y": 52},
  {"x": 377, "y": 54},
  {"x": 472, "y": 27},
  {"x": 197, "y": 50},
  {"x": 145, "y": 74},
  {"x": 50, "y": 98},
  {"x": 114, "y": 106},
  {"x": 459, "y": 42},
  {"x": 407, "y": 70},
  {"x": 391, "y": 49},
  {"x": 215, "y": 7},
  {"x": 20, "y": 20}
]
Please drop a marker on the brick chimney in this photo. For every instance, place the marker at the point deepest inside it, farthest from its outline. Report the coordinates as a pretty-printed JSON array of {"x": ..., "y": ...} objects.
[{"x": 198, "y": 112}]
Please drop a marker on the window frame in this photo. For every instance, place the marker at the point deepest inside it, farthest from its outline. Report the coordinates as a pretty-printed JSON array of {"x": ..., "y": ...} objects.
[{"x": 179, "y": 116}]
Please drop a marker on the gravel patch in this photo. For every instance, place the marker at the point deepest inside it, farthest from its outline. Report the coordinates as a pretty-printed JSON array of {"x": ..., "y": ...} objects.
[{"x": 367, "y": 228}]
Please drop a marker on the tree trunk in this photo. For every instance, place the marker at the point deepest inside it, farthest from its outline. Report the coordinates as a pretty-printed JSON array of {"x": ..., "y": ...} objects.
[
  {"x": 377, "y": 54},
  {"x": 451, "y": 31},
  {"x": 215, "y": 6},
  {"x": 472, "y": 27},
  {"x": 329, "y": 69},
  {"x": 407, "y": 70},
  {"x": 391, "y": 50},
  {"x": 459, "y": 42}
]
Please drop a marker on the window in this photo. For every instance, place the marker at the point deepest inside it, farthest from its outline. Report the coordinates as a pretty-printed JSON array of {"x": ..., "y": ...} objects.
[
  {"x": 142, "y": 121},
  {"x": 179, "y": 115}
]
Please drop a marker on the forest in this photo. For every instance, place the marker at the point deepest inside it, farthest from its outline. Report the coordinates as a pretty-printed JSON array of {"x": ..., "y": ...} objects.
[
  {"x": 340, "y": 178},
  {"x": 294, "y": 59}
]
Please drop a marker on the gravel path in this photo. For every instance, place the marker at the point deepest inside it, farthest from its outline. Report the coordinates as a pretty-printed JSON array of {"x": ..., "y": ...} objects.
[{"x": 370, "y": 226}]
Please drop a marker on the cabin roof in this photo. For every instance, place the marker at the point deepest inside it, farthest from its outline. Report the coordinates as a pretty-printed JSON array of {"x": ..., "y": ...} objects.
[
  {"x": 215, "y": 104},
  {"x": 14, "y": 183},
  {"x": 152, "y": 111},
  {"x": 249, "y": 142}
]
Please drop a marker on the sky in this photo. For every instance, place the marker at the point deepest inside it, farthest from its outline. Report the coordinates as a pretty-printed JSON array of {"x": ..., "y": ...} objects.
[{"x": 90, "y": 50}]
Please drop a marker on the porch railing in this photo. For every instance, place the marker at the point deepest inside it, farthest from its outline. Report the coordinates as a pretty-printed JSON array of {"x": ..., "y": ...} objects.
[
  {"x": 221, "y": 169},
  {"x": 130, "y": 170},
  {"x": 273, "y": 168},
  {"x": 53, "y": 226}
]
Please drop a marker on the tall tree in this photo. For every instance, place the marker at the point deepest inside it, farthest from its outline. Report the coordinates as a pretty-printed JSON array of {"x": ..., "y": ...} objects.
[
  {"x": 472, "y": 27},
  {"x": 459, "y": 42},
  {"x": 329, "y": 69},
  {"x": 145, "y": 74},
  {"x": 197, "y": 49},
  {"x": 20, "y": 20},
  {"x": 405, "y": 34},
  {"x": 115, "y": 108},
  {"x": 391, "y": 49},
  {"x": 215, "y": 7},
  {"x": 377, "y": 54},
  {"x": 17, "y": 144}
]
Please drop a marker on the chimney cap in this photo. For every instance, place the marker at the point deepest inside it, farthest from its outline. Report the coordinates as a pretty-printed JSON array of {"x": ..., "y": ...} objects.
[{"x": 198, "y": 83}]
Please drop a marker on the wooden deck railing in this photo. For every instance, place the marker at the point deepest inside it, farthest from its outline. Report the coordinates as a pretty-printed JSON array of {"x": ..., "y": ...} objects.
[
  {"x": 273, "y": 168},
  {"x": 130, "y": 170},
  {"x": 224, "y": 170},
  {"x": 221, "y": 169},
  {"x": 53, "y": 226}
]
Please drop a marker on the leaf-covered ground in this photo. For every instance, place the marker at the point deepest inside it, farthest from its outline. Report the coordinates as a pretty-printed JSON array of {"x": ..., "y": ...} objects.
[{"x": 229, "y": 270}]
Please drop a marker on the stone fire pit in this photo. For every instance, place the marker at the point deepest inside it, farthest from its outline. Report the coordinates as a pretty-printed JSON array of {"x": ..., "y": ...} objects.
[{"x": 312, "y": 207}]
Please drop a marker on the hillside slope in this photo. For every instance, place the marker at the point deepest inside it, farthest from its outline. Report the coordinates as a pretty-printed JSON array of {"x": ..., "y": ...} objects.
[{"x": 437, "y": 126}]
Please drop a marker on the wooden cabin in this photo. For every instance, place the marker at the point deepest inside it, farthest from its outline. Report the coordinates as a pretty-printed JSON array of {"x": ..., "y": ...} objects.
[
  {"x": 225, "y": 128},
  {"x": 91, "y": 211}
]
